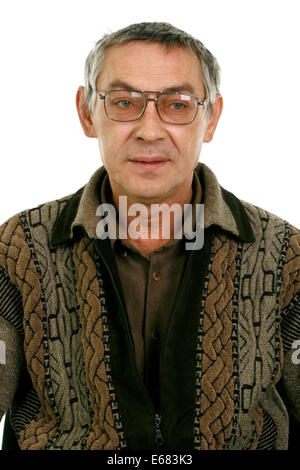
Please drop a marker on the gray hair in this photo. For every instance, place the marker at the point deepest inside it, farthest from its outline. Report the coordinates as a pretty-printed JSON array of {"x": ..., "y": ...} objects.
[{"x": 163, "y": 33}]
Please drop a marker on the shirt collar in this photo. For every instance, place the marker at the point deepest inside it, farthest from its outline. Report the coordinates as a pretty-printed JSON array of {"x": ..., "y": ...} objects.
[{"x": 221, "y": 208}]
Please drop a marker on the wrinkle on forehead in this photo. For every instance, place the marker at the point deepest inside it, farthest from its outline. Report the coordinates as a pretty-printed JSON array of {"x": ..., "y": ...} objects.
[{"x": 148, "y": 65}]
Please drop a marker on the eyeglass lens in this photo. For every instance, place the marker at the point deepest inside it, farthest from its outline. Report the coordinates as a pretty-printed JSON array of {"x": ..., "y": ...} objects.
[{"x": 175, "y": 108}]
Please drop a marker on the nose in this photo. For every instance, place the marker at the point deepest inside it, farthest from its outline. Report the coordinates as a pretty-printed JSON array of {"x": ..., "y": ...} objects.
[{"x": 150, "y": 127}]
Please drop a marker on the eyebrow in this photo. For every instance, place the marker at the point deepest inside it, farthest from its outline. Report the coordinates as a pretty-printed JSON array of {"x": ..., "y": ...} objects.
[{"x": 120, "y": 84}]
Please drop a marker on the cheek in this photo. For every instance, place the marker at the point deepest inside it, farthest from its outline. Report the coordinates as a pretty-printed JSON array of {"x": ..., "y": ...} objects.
[
  {"x": 112, "y": 138},
  {"x": 107, "y": 142},
  {"x": 189, "y": 141}
]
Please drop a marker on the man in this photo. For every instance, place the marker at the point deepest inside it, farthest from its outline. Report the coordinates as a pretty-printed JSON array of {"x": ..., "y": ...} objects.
[{"x": 115, "y": 339}]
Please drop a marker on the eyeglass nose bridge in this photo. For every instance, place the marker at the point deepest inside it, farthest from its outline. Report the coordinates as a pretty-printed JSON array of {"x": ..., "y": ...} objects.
[
  {"x": 146, "y": 103},
  {"x": 151, "y": 99}
]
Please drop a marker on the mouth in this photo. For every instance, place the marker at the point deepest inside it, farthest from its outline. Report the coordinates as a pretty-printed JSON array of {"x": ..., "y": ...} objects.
[{"x": 148, "y": 163}]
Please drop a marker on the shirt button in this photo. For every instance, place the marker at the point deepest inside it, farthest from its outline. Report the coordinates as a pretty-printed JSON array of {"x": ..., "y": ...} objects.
[
  {"x": 156, "y": 276},
  {"x": 155, "y": 335},
  {"x": 123, "y": 253}
]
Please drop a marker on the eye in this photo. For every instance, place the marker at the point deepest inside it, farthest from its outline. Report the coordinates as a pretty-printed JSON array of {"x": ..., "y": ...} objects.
[
  {"x": 123, "y": 103},
  {"x": 178, "y": 105}
]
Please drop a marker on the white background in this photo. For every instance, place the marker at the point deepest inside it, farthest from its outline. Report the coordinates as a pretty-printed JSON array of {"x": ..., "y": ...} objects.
[{"x": 44, "y": 153}]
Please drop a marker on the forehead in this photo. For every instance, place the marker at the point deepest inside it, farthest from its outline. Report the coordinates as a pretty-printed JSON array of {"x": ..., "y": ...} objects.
[{"x": 150, "y": 66}]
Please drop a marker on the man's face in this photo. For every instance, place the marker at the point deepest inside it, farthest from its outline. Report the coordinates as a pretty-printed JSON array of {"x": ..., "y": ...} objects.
[{"x": 124, "y": 146}]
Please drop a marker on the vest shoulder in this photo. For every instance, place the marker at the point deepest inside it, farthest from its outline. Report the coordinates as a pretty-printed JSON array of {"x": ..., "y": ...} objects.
[
  {"x": 264, "y": 220},
  {"x": 43, "y": 215}
]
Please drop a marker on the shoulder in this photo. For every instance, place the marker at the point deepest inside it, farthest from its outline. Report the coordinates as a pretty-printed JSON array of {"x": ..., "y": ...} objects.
[
  {"x": 277, "y": 238},
  {"x": 16, "y": 233},
  {"x": 269, "y": 226},
  {"x": 264, "y": 222},
  {"x": 43, "y": 213}
]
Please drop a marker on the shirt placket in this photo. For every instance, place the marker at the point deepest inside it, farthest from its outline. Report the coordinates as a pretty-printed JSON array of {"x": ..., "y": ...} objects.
[{"x": 153, "y": 325}]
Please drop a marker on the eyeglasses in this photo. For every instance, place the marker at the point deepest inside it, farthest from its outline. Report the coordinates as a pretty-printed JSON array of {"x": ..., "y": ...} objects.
[{"x": 172, "y": 107}]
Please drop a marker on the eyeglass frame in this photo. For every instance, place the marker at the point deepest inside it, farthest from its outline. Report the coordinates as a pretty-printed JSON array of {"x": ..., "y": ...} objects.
[{"x": 159, "y": 93}]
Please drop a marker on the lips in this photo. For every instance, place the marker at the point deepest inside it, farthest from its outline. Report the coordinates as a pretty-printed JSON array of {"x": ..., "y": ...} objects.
[
  {"x": 149, "y": 163},
  {"x": 148, "y": 159}
]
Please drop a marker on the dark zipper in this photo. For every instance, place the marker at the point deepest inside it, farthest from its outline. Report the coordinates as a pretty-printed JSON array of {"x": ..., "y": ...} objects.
[
  {"x": 169, "y": 321},
  {"x": 159, "y": 440},
  {"x": 157, "y": 413}
]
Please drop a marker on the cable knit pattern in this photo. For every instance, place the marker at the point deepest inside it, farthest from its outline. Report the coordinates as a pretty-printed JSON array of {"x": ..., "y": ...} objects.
[
  {"x": 103, "y": 434},
  {"x": 291, "y": 270},
  {"x": 217, "y": 384},
  {"x": 16, "y": 260}
]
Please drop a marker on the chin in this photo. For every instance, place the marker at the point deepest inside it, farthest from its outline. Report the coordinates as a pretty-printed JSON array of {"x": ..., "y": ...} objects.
[
  {"x": 147, "y": 195},
  {"x": 144, "y": 189}
]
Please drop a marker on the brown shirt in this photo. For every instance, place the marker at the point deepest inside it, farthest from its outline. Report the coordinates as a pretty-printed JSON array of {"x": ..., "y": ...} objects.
[{"x": 149, "y": 284}]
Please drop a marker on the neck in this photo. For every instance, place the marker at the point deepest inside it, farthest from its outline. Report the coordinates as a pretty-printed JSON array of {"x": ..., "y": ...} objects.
[{"x": 147, "y": 228}]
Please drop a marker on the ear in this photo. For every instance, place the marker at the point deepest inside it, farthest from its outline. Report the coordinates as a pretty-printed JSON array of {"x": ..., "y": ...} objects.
[
  {"x": 216, "y": 112},
  {"x": 84, "y": 114}
]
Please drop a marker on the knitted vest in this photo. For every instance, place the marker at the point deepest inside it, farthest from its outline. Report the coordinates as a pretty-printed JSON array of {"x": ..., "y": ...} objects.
[{"x": 72, "y": 402}]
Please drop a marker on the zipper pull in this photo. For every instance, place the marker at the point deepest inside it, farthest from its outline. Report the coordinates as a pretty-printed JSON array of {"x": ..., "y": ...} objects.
[{"x": 158, "y": 435}]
